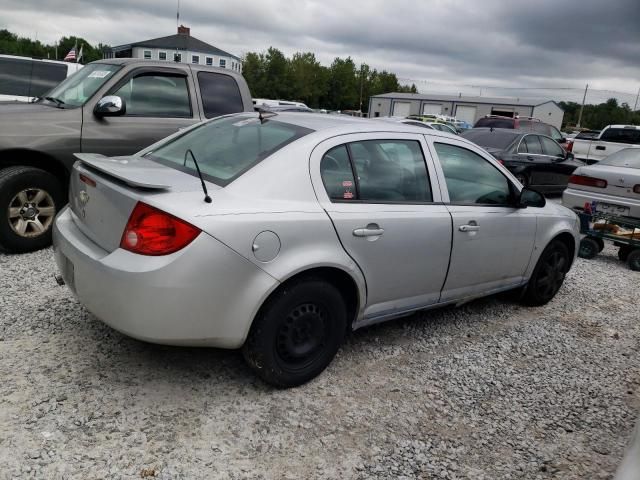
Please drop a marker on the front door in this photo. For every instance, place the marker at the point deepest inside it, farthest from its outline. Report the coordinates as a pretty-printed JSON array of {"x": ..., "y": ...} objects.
[
  {"x": 492, "y": 240},
  {"x": 158, "y": 102},
  {"x": 386, "y": 207}
]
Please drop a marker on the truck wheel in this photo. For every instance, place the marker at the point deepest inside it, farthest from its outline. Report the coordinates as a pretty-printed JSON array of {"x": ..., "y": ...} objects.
[
  {"x": 589, "y": 248},
  {"x": 29, "y": 201},
  {"x": 624, "y": 251},
  {"x": 633, "y": 260}
]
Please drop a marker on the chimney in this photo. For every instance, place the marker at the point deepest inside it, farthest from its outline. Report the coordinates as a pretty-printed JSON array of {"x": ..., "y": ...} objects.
[{"x": 182, "y": 30}]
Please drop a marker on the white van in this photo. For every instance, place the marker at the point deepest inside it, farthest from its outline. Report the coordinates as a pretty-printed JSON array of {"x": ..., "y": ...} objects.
[{"x": 24, "y": 78}]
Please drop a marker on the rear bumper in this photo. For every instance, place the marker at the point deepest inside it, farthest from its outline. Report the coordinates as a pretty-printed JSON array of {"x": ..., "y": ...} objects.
[
  {"x": 575, "y": 199},
  {"x": 204, "y": 295}
]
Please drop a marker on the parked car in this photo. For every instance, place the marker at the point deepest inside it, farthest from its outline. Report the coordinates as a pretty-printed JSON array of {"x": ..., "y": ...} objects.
[
  {"x": 613, "y": 182},
  {"x": 536, "y": 160},
  {"x": 404, "y": 120},
  {"x": 443, "y": 127},
  {"x": 611, "y": 139},
  {"x": 529, "y": 124},
  {"x": 24, "y": 79},
  {"x": 113, "y": 107},
  {"x": 185, "y": 243},
  {"x": 282, "y": 108}
]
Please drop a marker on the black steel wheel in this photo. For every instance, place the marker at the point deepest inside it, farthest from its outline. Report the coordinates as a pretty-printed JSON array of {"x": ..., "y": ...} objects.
[
  {"x": 549, "y": 274},
  {"x": 633, "y": 260},
  {"x": 523, "y": 179},
  {"x": 624, "y": 251},
  {"x": 589, "y": 248},
  {"x": 297, "y": 333},
  {"x": 600, "y": 243}
]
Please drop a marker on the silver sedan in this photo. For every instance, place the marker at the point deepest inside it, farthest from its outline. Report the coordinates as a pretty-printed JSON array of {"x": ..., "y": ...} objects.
[{"x": 279, "y": 233}]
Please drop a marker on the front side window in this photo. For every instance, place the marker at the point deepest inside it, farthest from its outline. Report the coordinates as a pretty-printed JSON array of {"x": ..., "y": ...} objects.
[
  {"x": 387, "y": 171},
  {"x": 156, "y": 95},
  {"x": 82, "y": 85},
  {"x": 220, "y": 94},
  {"x": 227, "y": 147},
  {"x": 551, "y": 148},
  {"x": 147, "y": 54},
  {"x": 195, "y": 59},
  {"x": 223, "y": 63},
  {"x": 470, "y": 178}
]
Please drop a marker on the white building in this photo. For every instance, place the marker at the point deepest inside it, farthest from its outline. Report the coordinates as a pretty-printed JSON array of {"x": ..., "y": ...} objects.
[
  {"x": 177, "y": 48},
  {"x": 465, "y": 108}
]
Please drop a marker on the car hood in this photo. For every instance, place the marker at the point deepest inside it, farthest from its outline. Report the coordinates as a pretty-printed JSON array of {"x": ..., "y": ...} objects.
[{"x": 21, "y": 120}]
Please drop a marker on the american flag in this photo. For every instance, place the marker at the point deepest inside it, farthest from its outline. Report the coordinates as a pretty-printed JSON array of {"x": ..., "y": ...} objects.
[{"x": 71, "y": 56}]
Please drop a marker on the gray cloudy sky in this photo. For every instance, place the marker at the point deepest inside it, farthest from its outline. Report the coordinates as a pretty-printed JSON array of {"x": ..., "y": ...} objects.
[{"x": 510, "y": 43}]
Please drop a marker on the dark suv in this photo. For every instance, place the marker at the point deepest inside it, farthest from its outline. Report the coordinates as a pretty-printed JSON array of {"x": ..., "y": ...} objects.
[{"x": 522, "y": 123}]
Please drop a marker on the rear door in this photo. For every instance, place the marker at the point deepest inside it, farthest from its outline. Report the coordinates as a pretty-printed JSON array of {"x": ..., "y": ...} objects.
[
  {"x": 559, "y": 168},
  {"x": 159, "y": 101},
  {"x": 492, "y": 240},
  {"x": 381, "y": 194},
  {"x": 612, "y": 140}
]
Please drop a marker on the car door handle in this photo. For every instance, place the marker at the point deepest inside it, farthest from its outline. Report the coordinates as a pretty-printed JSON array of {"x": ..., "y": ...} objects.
[
  {"x": 601, "y": 147},
  {"x": 368, "y": 232},
  {"x": 469, "y": 228},
  {"x": 530, "y": 158}
]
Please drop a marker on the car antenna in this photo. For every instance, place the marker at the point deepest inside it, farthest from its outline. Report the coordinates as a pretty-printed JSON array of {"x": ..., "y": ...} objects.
[
  {"x": 264, "y": 114},
  {"x": 207, "y": 198}
]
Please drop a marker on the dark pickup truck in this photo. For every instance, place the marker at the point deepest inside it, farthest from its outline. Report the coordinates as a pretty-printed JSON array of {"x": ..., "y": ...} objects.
[{"x": 113, "y": 107}]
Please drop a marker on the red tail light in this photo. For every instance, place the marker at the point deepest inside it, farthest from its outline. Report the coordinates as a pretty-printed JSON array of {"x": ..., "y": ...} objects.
[
  {"x": 87, "y": 180},
  {"x": 636, "y": 189},
  {"x": 587, "y": 181},
  {"x": 150, "y": 231}
]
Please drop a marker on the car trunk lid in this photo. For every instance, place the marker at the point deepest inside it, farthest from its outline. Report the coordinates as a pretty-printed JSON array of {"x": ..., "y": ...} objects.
[
  {"x": 104, "y": 191},
  {"x": 620, "y": 180}
]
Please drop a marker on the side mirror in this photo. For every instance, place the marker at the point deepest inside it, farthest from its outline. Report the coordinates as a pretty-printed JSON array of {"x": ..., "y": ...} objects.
[
  {"x": 110, "y": 106},
  {"x": 531, "y": 198}
]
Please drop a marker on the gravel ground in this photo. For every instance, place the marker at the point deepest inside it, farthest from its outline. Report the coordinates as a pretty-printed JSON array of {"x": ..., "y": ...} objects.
[{"x": 491, "y": 390}]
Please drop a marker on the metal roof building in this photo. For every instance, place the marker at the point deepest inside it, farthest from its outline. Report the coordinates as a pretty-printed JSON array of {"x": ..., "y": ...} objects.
[
  {"x": 467, "y": 108},
  {"x": 181, "y": 47}
]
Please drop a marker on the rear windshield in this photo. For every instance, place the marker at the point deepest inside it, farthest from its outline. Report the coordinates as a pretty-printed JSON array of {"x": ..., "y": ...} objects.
[
  {"x": 495, "y": 123},
  {"x": 227, "y": 147},
  {"x": 489, "y": 139},
  {"x": 629, "y": 157}
]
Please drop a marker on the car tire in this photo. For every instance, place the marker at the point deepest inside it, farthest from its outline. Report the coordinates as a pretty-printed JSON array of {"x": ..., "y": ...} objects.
[
  {"x": 29, "y": 201},
  {"x": 548, "y": 275},
  {"x": 297, "y": 333},
  {"x": 589, "y": 248},
  {"x": 633, "y": 260},
  {"x": 600, "y": 243},
  {"x": 624, "y": 251}
]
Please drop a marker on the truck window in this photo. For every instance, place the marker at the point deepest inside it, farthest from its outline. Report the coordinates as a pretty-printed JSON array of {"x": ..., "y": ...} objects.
[
  {"x": 15, "y": 76},
  {"x": 621, "y": 135},
  {"x": 220, "y": 94},
  {"x": 156, "y": 95}
]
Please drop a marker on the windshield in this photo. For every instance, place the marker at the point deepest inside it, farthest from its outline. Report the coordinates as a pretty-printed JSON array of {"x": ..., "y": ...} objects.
[
  {"x": 488, "y": 139},
  {"x": 227, "y": 147},
  {"x": 629, "y": 157},
  {"x": 79, "y": 87}
]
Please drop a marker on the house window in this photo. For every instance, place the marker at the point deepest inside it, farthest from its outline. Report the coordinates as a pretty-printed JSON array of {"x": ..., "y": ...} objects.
[
  {"x": 223, "y": 63},
  {"x": 162, "y": 55},
  {"x": 177, "y": 57},
  {"x": 147, "y": 54},
  {"x": 195, "y": 58},
  {"x": 209, "y": 61}
]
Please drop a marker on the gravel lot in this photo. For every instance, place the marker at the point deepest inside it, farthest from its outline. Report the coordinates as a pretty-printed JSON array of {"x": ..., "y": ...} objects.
[{"x": 488, "y": 391}]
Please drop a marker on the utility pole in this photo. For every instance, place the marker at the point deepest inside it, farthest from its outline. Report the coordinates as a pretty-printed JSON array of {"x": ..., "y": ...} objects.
[
  {"x": 582, "y": 106},
  {"x": 635, "y": 105},
  {"x": 361, "y": 84}
]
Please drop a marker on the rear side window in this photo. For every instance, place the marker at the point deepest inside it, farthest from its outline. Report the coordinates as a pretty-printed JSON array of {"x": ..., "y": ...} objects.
[
  {"x": 227, "y": 147},
  {"x": 532, "y": 144},
  {"x": 551, "y": 148},
  {"x": 156, "y": 95},
  {"x": 45, "y": 76},
  {"x": 555, "y": 133},
  {"x": 470, "y": 178},
  {"x": 220, "y": 94},
  {"x": 387, "y": 171},
  {"x": 621, "y": 135}
]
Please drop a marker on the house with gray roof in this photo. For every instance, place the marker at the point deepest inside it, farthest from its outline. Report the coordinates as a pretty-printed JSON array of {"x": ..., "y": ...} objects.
[
  {"x": 181, "y": 47},
  {"x": 467, "y": 108}
]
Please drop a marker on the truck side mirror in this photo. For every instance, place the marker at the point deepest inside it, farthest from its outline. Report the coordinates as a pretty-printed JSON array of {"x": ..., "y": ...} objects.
[{"x": 110, "y": 106}]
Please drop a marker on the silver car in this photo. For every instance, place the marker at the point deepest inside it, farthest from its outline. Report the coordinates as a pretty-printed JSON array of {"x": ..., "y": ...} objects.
[
  {"x": 613, "y": 182},
  {"x": 279, "y": 233}
]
